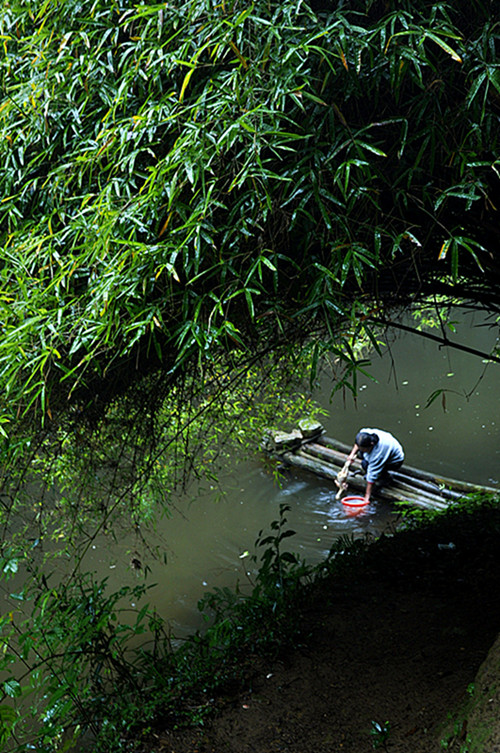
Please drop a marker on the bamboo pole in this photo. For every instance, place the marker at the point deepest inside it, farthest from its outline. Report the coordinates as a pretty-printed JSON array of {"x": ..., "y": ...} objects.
[
  {"x": 414, "y": 499},
  {"x": 338, "y": 458},
  {"x": 325, "y": 456},
  {"x": 420, "y": 493},
  {"x": 326, "y": 452},
  {"x": 453, "y": 484},
  {"x": 339, "y": 446},
  {"x": 301, "y": 459},
  {"x": 400, "y": 487},
  {"x": 426, "y": 486}
]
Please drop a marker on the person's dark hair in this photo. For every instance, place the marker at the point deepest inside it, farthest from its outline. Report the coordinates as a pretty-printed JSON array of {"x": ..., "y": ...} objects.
[{"x": 366, "y": 439}]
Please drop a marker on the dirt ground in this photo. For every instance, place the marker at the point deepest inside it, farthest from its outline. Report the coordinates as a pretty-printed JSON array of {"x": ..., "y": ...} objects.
[{"x": 399, "y": 643}]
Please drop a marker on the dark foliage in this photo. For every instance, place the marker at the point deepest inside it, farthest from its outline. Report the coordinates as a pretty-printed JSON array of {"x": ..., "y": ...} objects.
[{"x": 180, "y": 180}]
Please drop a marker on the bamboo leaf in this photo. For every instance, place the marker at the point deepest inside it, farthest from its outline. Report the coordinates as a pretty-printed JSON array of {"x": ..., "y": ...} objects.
[
  {"x": 371, "y": 148},
  {"x": 444, "y": 46},
  {"x": 238, "y": 54},
  {"x": 444, "y": 249},
  {"x": 494, "y": 77},
  {"x": 185, "y": 84}
]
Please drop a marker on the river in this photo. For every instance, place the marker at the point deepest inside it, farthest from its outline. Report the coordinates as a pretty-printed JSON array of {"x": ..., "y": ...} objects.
[{"x": 203, "y": 544}]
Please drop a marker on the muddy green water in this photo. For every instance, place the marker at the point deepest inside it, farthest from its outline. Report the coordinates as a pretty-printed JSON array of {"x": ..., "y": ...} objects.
[{"x": 460, "y": 437}]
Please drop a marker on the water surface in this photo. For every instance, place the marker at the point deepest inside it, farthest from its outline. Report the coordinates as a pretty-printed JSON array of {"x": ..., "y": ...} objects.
[{"x": 457, "y": 435}]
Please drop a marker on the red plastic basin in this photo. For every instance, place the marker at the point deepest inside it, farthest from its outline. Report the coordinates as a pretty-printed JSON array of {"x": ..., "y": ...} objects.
[{"x": 354, "y": 501}]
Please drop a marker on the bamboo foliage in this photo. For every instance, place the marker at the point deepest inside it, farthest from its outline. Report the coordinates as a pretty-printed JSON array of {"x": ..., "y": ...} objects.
[{"x": 179, "y": 179}]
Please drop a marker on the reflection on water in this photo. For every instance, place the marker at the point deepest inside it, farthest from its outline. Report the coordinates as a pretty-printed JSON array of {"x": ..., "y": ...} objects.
[{"x": 457, "y": 436}]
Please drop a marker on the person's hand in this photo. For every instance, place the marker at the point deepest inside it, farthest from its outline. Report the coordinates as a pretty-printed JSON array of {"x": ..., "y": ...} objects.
[{"x": 369, "y": 487}]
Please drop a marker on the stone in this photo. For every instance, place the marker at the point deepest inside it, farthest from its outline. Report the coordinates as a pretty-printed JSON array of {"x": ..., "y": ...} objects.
[{"x": 310, "y": 429}]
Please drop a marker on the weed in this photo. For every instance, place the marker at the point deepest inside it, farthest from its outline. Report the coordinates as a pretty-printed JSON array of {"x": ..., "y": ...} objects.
[{"x": 380, "y": 734}]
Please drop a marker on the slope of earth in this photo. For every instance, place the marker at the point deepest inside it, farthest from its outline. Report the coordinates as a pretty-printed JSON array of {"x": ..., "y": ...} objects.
[{"x": 396, "y": 641}]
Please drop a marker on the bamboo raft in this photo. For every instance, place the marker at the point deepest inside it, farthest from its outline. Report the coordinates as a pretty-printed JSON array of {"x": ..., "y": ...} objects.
[{"x": 309, "y": 449}]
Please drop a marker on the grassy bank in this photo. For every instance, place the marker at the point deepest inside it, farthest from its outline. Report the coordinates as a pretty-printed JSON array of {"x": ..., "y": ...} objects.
[{"x": 97, "y": 688}]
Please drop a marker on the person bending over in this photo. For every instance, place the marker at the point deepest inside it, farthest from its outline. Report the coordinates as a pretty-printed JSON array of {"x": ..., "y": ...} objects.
[{"x": 380, "y": 452}]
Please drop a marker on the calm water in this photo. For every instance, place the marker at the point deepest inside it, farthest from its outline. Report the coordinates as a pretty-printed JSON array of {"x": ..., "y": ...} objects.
[{"x": 204, "y": 540}]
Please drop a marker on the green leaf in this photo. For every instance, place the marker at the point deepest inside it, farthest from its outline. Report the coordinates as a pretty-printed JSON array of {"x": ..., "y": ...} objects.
[
  {"x": 12, "y": 688},
  {"x": 371, "y": 148},
  {"x": 444, "y": 46}
]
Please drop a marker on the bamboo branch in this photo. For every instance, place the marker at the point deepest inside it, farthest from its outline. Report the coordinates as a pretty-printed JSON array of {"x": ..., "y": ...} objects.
[{"x": 436, "y": 338}]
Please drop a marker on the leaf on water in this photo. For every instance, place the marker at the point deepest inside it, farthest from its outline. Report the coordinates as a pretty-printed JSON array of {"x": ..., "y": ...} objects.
[{"x": 433, "y": 397}]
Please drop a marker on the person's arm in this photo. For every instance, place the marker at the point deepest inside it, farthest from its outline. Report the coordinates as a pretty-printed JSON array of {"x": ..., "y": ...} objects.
[
  {"x": 369, "y": 487},
  {"x": 353, "y": 453}
]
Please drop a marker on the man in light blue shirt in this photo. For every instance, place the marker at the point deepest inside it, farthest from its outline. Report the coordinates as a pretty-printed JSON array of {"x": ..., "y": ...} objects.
[{"x": 380, "y": 452}]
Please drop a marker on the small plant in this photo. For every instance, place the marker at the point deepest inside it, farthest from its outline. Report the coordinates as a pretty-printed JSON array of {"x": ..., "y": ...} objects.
[
  {"x": 237, "y": 619},
  {"x": 380, "y": 735},
  {"x": 276, "y": 564}
]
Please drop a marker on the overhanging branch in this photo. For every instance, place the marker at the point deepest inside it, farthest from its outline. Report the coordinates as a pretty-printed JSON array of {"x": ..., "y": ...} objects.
[{"x": 443, "y": 341}]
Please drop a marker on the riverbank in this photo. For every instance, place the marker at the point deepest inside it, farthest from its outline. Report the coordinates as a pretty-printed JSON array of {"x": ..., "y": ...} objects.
[{"x": 396, "y": 641}]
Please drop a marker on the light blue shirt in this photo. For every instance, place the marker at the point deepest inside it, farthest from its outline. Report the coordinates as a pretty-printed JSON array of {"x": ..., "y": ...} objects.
[{"x": 387, "y": 450}]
